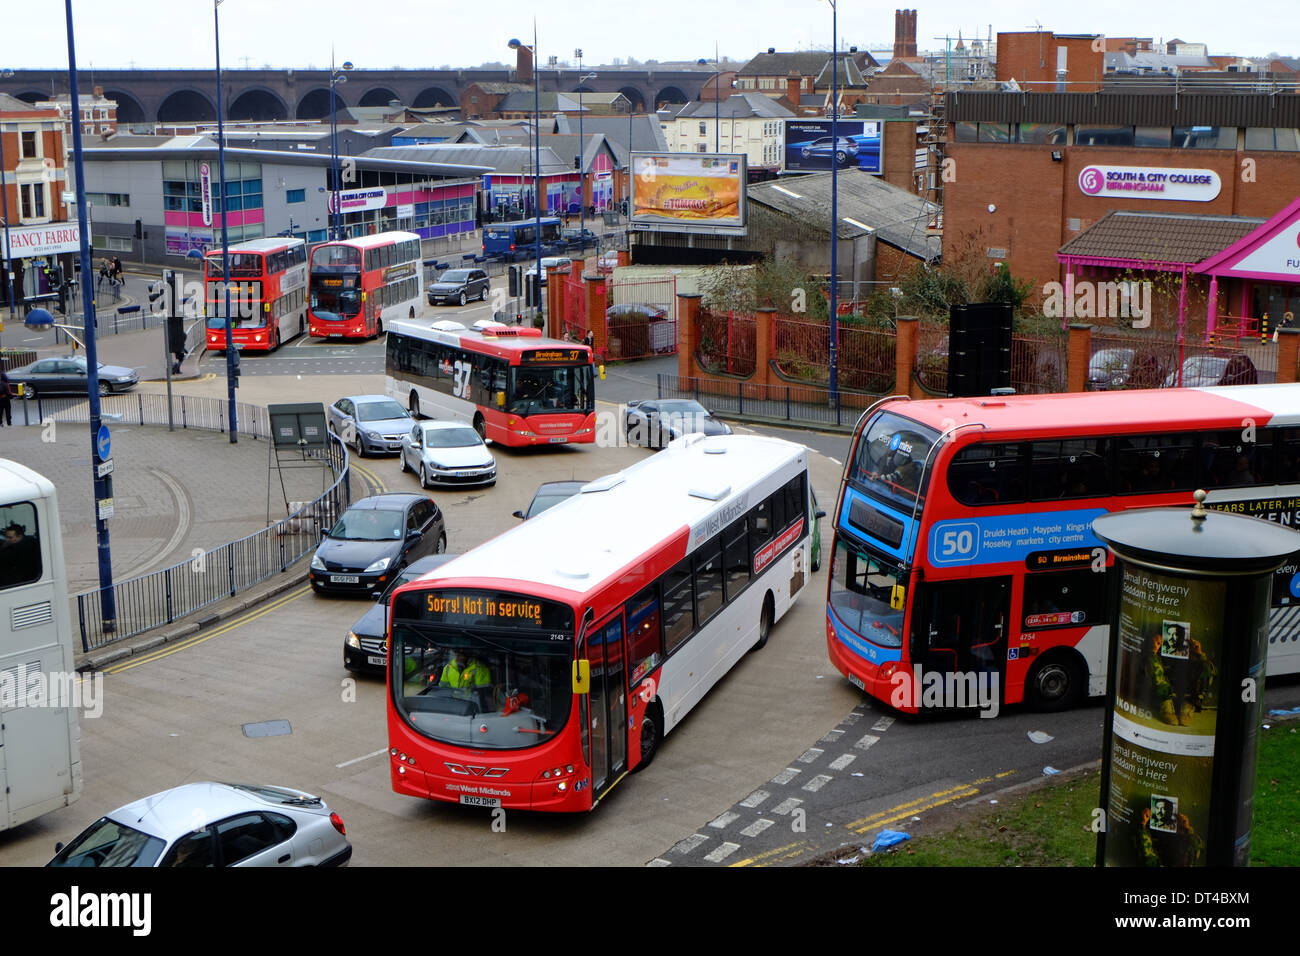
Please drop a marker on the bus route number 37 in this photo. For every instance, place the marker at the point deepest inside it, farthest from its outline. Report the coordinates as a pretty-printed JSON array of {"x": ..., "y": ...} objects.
[
  {"x": 460, "y": 382},
  {"x": 954, "y": 542}
]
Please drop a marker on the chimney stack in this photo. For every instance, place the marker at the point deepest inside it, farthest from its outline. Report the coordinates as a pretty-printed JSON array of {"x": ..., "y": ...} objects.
[
  {"x": 905, "y": 33},
  {"x": 792, "y": 84},
  {"x": 523, "y": 64}
]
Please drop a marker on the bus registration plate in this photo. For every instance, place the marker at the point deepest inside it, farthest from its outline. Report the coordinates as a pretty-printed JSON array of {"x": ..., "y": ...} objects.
[
  {"x": 344, "y": 579},
  {"x": 472, "y": 801},
  {"x": 558, "y": 439},
  {"x": 857, "y": 682}
]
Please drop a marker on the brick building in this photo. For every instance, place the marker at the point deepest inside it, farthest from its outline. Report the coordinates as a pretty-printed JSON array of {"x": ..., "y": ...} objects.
[{"x": 1042, "y": 60}]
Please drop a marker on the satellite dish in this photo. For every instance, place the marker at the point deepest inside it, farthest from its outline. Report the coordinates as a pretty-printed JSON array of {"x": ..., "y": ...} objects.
[{"x": 39, "y": 319}]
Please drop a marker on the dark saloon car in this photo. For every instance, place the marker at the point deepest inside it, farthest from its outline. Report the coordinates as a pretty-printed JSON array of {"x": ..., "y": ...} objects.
[
  {"x": 458, "y": 286},
  {"x": 366, "y": 646},
  {"x": 375, "y": 539},
  {"x": 549, "y": 494},
  {"x": 656, "y": 422},
  {"x": 68, "y": 375}
]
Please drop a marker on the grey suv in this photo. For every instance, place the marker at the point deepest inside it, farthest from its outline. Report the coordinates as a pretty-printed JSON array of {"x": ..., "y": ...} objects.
[{"x": 458, "y": 286}]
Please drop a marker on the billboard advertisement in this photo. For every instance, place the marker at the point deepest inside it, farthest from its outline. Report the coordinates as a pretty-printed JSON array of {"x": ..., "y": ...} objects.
[
  {"x": 809, "y": 147},
  {"x": 689, "y": 192}
]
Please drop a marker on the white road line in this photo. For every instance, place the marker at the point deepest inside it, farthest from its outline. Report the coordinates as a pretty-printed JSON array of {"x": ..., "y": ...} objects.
[
  {"x": 182, "y": 524},
  {"x": 755, "y": 799},
  {"x": 659, "y": 861},
  {"x": 884, "y": 723},
  {"x": 723, "y": 820},
  {"x": 785, "y": 806},
  {"x": 811, "y": 754},
  {"x": 831, "y": 736},
  {"x": 786, "y": 775},
  {"x": 817, "y": 782},
  {"x": 722, "y": 852},
  {"x": 866, "y": 742},
  {"x": 850, "y": 720},
  {"x": 842, "y": 761},
  {"x": 837, "y": 461},
  {"x": 757, "y": 827},
  {"x": 690, "y": 843},
  {"x": 348, "y": 763}
]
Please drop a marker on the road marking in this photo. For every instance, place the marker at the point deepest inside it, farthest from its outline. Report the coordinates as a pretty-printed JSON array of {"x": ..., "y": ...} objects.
[
  {"x": 867, "y": 742},
  {"x": 690, "y": 843},
  {"x": 831, "y": 736},
  {"x": 757, "y": 827},
  {"x": 722, "y": 852},
  {"x": 883, "y": 724},
  {"x": 785, "y": 806},
  {"x": 349, "y": 763},
  {"x": 755, "y": 799},
  {"x": 723, "y": 819},
  {"x": 240, "y": 621},
  {"x": 809, "y": 755},
  {"x": 786, "y": 775},
  {"x": 817, "y": 782},
  {"x": 842, "y": 761},
  {"x": 789, "y": 851},
  {"x": 659, "y": 861},
  {"x": 937, "y": 799}
]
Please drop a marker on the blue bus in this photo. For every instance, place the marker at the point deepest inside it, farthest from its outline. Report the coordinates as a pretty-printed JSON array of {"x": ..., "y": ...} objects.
[{"x": 518, "y": 240}]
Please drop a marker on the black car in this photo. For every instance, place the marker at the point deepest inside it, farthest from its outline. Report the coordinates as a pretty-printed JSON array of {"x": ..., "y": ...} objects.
[
  {"x": 458, "y": 286},
  {"x": 366, "y": 646},
  {"x": 68, "y": 375},
  {"x": 375, "y": 539},
  {"x": 656, "y": 422},
  {"x": 549, "y": 494},
  {"x": 577, "y": 238}
]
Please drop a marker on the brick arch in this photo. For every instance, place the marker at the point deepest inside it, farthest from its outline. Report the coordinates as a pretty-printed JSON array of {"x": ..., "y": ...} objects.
[
  {"x": 186, "y": 105},
  {"x": 258, "y": 104},
  {"x": 315, "y": 104}
]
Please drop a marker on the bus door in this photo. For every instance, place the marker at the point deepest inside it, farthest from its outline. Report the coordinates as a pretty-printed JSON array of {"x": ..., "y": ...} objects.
[
  {"x": 607, "y": 710},
  {"x": 959, "y": 632}
]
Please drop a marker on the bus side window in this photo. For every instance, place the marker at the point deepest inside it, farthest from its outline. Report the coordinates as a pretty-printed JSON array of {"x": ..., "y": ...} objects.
[{"x": 20, "y": 550}]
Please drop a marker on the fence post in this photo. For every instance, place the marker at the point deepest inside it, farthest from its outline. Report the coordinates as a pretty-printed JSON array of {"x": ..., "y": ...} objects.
[
  {"x": 787, "y": 403},
  {"x": 167, "y": 590},
  {"x": 1288, "y": 339},
  {"x": 1078, "y": 357},
  {"x": 184, "y": 419},
  {"x": 231, "y": 565},
  {"x": 81, "y": 619},
  {"x": 281, "y": 527},
  {"x": 740, "y": 398},
  {"x": 659, "y": 385},
  {"x": 140, "y": 402}
]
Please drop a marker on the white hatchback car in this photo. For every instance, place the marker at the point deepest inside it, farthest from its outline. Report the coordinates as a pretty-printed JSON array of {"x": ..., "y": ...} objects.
[
  {"x": 448, "y": 453},
  {"x": 214, "y": 824}
]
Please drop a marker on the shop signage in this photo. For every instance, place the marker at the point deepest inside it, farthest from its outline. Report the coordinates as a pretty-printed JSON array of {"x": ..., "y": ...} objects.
[
  {"x": 205, "y": 191},
  {"x": 47, "y": 240},
  {"x": 1149, "y": 182},
  {"x": 359, "y": 200}
]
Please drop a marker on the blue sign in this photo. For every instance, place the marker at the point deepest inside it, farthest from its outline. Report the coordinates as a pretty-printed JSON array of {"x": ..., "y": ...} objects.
[
  {"x": 1001, "y": 538},
  {"x": 103, "y": 443}
]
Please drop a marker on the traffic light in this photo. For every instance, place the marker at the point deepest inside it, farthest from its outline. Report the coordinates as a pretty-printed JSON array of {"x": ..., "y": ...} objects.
[
  {"x": 514, "y": 280},
  {"x": 139, "y": 229},
  {"x": 176, "y": 336},
  {"x": 234, "y": 366},
  {"x": 56, "y": 278}
]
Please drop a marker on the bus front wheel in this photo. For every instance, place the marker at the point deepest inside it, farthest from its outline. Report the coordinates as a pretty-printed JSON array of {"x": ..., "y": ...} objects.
[
  {"x": 765, "y": 619},
  {"x": 1055, "y": 683},
  {"x": 651, "y": 734}
]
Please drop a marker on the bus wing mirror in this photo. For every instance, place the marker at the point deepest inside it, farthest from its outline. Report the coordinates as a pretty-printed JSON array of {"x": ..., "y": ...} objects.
[
  {"x": 582, "y": 676},
  {"x": 897, "y": 594}
]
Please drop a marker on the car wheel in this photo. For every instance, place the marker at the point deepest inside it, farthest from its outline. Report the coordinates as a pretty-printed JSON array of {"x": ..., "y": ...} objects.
[
  {"x": 765, "y": 619},
  {"x": 441, "y": 546},
  {"x": 405, "y": 466},
  {"x": 841, "y": 157},
  {"x": 424, "y": 477},
  {"x": 480, "y": 426},
  {"x": 482, "y": 296},
  {"x": 413, "y": 405},
  {"x": 817, "y": 561},
  {"x": 463, "y": 298},
  {"x": 104, "y": 388},
  {"x": 361, "y": 446}
]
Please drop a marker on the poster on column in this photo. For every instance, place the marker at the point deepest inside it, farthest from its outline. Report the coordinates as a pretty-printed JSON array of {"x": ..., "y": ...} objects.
[{"x": 1165, "y": 719}]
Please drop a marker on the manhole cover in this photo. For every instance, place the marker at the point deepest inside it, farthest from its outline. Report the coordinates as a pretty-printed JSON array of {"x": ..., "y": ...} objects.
[{"x": 268, "y": 728}]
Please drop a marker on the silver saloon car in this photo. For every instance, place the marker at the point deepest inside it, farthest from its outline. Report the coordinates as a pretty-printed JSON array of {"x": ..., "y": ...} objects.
[{"x": 447, "y": 453}]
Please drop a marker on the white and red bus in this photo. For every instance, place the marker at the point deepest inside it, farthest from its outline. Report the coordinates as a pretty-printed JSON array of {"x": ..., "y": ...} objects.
[
  {"x": 587, "y": 632},
  {"x": 512, "y": 384},
  {"x": 359, "y": 286},
  {"x": 963, "y": 531},
  {"x": 268, "y": 294}
]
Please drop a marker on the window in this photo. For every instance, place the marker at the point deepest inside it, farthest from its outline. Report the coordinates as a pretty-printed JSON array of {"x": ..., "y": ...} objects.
[
  {"x": 295, "y": 195},
  {"x": 192, "y": 850},
  {"x": 1205, "y": 137},
  {"x": 1152, "y": 136},
  {"x": 1064, "y": 599},
  {"x": 708, "y": 580},
  {"x": 701, "y": 147},
  {"x": 679, "y": 607},
  {"x": 20, "y": 550},
  {"x": 1155, "y": 463},
  {"x": 735, "y": 558},
  {"x": 245, "y": 836},
  {"x": 1103, "y": 136},
  {"x": 1226, "y": 461},
  {"x": 1266, "y": 137},
  {"x": 1076, "y": 468},
  {"x": 29, "y": 143},
  {"x": 33, "y": 200},
  {"x": 988, "y": 473},
  {"x": 703, "y": 129}
]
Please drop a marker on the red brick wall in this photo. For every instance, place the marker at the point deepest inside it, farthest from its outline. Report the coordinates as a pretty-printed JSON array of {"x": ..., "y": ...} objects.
[
  {"x": 899, "y": 153},
  {"x": 1031, "y": 58}
]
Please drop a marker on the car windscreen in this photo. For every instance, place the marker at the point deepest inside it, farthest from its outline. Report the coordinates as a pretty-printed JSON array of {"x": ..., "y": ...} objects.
[
  {"x": 379, "y": 411},
  {"x": 369, "y": 524},
  {"x": 109, "y": 843},
  {"x": 451, "y": 437},
  {"x": 454, "y": 275}
]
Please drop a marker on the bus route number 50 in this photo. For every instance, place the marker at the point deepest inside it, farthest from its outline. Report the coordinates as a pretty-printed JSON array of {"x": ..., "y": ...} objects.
[{"x": 954, "y": 542}]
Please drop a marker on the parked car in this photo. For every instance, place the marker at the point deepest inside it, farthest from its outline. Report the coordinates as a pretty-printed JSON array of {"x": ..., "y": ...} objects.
[
  {"x": 841, "y": 147},
  {"x": 579, "y": 238},
  {"x": 1125, "y": 368},
  {"x": 548, "y": 262},
  {"x": 458, "y": 286},
  {"x": 549, "y": 494},
  {"x": 373, "y": 424},
  {"x": 815, "y": 520},
  {"x": 636, "y": 310},
  {"x": 655, "y": 422},
  {"x": 375, "y": 539},
  {"x": 366, "y": 646},
  {"x": 1202, "y": 370},
  {"x": 69, "y": 375},
  {"x": 447, "y": 453},
  {"x": 214, "y": 824}
]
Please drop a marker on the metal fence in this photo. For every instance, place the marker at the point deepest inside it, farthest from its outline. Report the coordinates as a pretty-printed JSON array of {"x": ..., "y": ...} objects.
[
  {"x": 16, "y": 358},
  {"x": 865, "y": 360},
  {"x": 728, "y": 343},
  {"x": 1122, "y": 360},
  {"x": 803, "y": 405},
  {"x": 164, "y": 597},
  {"x": 642, "y": 317}
]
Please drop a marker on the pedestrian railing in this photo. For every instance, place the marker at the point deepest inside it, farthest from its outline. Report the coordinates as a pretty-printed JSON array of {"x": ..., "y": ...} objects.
[{"x": 806, "y": 405}]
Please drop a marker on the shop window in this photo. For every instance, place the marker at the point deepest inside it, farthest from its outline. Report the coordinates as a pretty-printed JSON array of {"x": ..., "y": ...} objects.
[
  {"x": 1205, "y": 137},
  {"x": 1153, "y": 137}
]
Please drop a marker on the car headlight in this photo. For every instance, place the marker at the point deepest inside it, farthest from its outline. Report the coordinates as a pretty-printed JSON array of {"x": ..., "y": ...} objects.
[
  {"x": 373, "y": 436},
  {"x": 353, "y": 640},
  {"x": 380, "y": 565},
  {"x": 316, "y": 563}
]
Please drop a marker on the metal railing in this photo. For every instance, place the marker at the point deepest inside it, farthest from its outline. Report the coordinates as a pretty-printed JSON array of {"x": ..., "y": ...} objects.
[
  {"x": 803, "y": 405},
  {"x": 166, "y": 596}
]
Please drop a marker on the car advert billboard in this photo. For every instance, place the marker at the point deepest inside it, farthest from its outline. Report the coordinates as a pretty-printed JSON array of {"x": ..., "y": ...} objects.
[
  {"x": 810, "y": 148},
  {"x": 689, "y": 192}
]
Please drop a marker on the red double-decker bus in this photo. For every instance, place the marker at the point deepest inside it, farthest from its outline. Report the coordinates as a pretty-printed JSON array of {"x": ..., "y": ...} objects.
[
  {"x": 359, "y": 286},
  {"x": 537, "y": 669},
  {"x": 965, "y": 572},
  {"x": 514, "y": 386},
  {"x": 268, "y": 294}
]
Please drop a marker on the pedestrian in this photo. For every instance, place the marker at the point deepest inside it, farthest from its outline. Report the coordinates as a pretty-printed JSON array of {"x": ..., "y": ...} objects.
[
  {"x": 6, "y": 403},
  {"x": 589, "y": 340},
  {"x": 103, "y": 274}
]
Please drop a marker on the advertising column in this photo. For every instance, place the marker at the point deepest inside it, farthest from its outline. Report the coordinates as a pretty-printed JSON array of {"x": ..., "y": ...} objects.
[{"x": 1187, "y": 656}]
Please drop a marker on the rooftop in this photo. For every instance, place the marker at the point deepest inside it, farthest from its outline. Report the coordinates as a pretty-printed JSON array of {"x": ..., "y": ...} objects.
[{"x": 1158, "y": 237}]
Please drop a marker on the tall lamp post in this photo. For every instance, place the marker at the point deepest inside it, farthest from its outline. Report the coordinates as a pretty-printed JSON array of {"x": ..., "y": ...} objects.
[
  {"x": 232, "y": 360},
  {"x": 336, "y": 203},
  {"x": 835, "y": 217},
  {"x": 582, "y": 158},
  {"x": 4, "y": 198},
  {"x": 99, "y": 436},
  {"x": 536, "y": 298},
  {"x": 717, "y": 72}
]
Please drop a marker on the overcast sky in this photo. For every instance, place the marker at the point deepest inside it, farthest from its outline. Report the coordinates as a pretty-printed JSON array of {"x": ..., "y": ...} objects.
[{"x": 152, "y": 34}]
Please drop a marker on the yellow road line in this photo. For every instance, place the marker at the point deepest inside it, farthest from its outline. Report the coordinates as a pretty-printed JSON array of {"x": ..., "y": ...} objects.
[
  {"x": 913, "y": 807},
  {"x": 790, "y": 850},
  {"x": 370, "y": 477},
  {"x": 202, "y": 637}
]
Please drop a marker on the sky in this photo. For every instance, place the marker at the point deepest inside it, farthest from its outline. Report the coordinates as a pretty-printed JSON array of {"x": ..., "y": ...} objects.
[{"x": 178, "y": 34}]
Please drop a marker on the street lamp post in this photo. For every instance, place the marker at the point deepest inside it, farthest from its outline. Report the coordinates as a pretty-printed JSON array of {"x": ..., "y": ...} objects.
[
  {"x": 536, "y": 298},
  {"x": 4, "y": 198},
  {"x": 336, "y": 202},
  {"x": 835, "y": 218},
  {"x": 717, "y": 72},
  {"x": 99, "y": 437},
  {"x": 582, "y": 159},
  {"x": 231, "y": 359}
]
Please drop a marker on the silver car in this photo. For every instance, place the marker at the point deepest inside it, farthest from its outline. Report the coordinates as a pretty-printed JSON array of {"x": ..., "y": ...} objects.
[
  {"x": 448, "y": 453},
  {"x": 214, "y": 824},
  {"x": 373, "y": 424}
]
